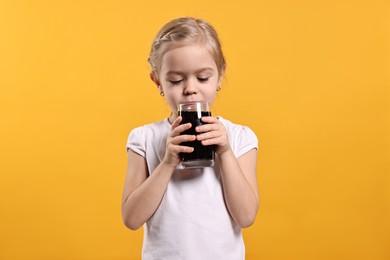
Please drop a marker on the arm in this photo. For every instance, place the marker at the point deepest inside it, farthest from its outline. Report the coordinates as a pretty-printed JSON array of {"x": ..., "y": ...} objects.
[
  {"x": 142, "y": 193},
  {"x": 238, "y": 175},
  {"x": 240, "y": 186}
]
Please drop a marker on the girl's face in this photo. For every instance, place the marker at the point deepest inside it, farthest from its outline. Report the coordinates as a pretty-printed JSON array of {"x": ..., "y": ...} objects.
[{"x": 187, "y": 74}]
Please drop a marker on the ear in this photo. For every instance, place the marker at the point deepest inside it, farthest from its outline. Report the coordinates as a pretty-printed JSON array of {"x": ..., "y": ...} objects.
[
  {"x": 222, "y": 74},
  {"x": 155, "y": 79}
]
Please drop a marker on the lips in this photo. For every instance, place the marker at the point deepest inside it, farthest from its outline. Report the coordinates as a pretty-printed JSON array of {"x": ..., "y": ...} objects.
[{"x": 191, "y": 101}]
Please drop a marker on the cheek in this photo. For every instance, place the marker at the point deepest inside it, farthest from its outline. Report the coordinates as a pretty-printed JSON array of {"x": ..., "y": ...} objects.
[
  {"x": 172, "y": 100},
  {"x": 211, "y": 94}
]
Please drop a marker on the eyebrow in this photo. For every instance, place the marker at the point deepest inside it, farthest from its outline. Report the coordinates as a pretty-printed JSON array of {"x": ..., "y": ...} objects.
[{"x": 198, "y": 71}]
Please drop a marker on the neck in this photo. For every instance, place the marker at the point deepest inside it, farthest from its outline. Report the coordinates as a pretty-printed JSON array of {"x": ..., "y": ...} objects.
[{"x": 172, "y": 118}]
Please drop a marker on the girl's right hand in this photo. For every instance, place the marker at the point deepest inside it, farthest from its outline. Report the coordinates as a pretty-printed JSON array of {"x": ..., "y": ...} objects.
[{"x": 173, "y": 147}]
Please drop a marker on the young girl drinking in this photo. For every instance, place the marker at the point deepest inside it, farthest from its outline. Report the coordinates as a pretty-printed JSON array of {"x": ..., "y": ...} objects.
[{"x": 190, "y": 214}]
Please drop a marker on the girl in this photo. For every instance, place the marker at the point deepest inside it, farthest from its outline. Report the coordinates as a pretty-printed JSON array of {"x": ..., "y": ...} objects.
[{"x": 190, "y": 214}]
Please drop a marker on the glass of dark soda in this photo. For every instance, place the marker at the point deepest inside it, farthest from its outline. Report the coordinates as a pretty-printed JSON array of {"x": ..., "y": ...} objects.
[{"x": 202, "y": 156}]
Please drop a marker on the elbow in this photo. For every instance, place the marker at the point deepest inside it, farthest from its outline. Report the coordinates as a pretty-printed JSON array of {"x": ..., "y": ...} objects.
[
  {"x": 132, "y": 225},
  {"x": 130, "y": 220},
  {"x": 247, "y": 220}
]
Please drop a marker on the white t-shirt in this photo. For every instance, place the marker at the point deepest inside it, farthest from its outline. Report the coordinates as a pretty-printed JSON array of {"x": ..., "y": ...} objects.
[{"x": 192, "y": 221}]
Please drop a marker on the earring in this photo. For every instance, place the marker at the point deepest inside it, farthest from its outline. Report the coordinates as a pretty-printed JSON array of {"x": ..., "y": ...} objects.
[
  {"x": 162, "y": 93},
  {"x": 219, "y": 88}
]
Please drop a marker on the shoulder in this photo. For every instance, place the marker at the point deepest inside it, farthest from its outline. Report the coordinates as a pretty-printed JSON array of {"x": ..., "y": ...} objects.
[
  {"x": 155, "y": 127},
  {"x": 235, "y": 129},
  {"x": 242, "y": 138},
  {"x": 139, "y": 136}
]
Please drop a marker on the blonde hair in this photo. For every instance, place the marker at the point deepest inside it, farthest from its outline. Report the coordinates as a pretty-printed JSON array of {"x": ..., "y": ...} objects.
[{"x": 182, "y": 32}]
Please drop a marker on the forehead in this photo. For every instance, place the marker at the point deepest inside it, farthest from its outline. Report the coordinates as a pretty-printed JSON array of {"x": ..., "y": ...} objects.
[{"x": 189, "y": 57}]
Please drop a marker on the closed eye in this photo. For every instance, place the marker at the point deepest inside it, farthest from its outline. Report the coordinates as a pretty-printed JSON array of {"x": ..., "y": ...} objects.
[
  {"x": 174, "y": 82},
  {"x": 203, "y": 79}
]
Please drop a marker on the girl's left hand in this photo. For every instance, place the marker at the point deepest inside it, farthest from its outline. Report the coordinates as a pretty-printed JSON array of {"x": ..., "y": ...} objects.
[{"x": 213, "y": 133}]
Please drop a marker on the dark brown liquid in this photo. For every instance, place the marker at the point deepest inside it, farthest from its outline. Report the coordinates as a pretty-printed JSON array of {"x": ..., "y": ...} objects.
[{"x": 200, "y": 152}]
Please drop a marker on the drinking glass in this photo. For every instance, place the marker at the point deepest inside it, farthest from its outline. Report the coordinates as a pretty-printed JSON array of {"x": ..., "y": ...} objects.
[{"x": 203, "y": 155}]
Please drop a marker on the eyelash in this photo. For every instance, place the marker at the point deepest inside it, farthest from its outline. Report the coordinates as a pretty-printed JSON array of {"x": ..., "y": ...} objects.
[
  {"x": 203, "y": 79},
  {"x": 175, "y": 82}
]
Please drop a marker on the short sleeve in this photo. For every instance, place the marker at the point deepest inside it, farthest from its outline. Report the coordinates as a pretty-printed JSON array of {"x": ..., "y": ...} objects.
[
  {"x": 136, "y": 141},
  {"x": 246, "y": 141}
]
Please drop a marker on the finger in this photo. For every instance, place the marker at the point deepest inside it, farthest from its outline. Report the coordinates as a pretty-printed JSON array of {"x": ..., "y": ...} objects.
[
  {"x": 183, "y": 138},
  {"x": 209, "y": 119},
  {"x": 176, "y": 149},
  {"x": 176, "y": 122},
  {"x": 181, "y": 128},
  {"x": 208, "y": 127},
  {"x": 213, "y": 141},
  {"x": 208, "y": 135},
  {"x": 186, "y": 149}
]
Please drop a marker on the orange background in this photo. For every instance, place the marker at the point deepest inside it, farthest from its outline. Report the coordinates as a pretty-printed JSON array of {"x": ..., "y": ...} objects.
[{"x": 311, "y": 78}]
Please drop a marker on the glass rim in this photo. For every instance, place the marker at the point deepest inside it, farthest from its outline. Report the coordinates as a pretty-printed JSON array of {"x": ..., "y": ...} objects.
[{"x": 194, "y": 106}]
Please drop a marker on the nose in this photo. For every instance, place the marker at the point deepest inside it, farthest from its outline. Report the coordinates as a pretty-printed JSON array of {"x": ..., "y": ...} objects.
[{"x": 190, "y": 88}]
